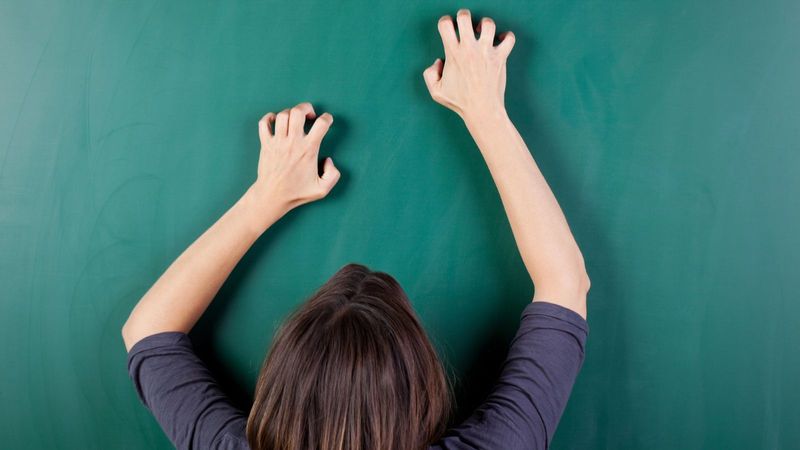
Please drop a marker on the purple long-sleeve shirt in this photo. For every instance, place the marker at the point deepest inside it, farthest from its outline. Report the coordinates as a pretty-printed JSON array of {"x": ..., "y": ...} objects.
[{"x": 522, "y": 411}]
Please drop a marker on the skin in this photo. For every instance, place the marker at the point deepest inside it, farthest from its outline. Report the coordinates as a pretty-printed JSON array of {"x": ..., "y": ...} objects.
[
  {"x": 287, "y": 178},
  {"x": 470, "y": 81}
]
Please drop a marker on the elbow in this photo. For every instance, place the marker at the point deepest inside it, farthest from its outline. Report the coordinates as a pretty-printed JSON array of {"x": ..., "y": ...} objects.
[
  {"x": 566, "y": 284},
  {"x": 582, "y": 286},
  {"x": 571, "y": 276},
  {"x": 127, "y": 334},
  {"x": 580, "y": 283},
  {"x": 584, "y": 283}
]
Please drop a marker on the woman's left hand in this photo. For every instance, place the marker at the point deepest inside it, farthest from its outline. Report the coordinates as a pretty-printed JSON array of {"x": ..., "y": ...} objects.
[{"x": 288, "y": 164}]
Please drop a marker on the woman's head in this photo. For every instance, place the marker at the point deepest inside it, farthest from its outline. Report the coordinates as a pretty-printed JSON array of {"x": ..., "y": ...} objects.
[{"x": 351, "y": 369}]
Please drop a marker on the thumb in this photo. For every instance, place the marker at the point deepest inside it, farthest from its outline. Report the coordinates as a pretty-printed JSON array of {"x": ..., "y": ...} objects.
[
  {"x": 433, "y": 74},
  {"x": 330, "y": 176}
]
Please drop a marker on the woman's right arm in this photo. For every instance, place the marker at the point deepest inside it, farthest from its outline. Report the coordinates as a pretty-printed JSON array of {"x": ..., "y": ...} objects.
[{"x": 471, "y": 81}]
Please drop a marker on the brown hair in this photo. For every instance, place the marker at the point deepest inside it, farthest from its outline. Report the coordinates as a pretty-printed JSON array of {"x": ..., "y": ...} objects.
[{"x": 351, "y": 369}]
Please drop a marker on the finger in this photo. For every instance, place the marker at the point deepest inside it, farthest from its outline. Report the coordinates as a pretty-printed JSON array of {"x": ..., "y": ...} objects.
[
  {"x": 433, "y": 74},
  {"x": 448, "y": 33},
  {"x": 320, "y": 127},
  {"x": 487, "y": 29},
  {"x": 298, "y": 116},
  {"x": 282, "y": 123},
  {"x": 330, "y": 176},
  {"x": 507, "y": 40},
  {"x": 464, "y": 19},
  {"x": 265, "y": 126}
]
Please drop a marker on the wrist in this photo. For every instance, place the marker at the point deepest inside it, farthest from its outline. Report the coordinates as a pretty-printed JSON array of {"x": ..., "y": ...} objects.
[
  {"x": 486, "y": 120},
  {"x": 263, "y": 209}
]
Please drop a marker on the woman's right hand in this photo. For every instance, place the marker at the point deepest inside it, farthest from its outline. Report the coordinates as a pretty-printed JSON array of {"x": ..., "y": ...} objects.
[{"x": 472, "y": 78}]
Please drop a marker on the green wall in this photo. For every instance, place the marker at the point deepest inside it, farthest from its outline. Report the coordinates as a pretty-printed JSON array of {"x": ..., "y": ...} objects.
[{"x": 669, "y": 131}]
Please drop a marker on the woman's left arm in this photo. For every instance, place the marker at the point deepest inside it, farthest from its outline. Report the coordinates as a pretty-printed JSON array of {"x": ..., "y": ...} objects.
[{"x": 287, "y": 177}]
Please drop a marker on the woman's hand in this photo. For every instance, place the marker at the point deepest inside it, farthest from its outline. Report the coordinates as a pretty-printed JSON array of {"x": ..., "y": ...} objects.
[
  {"x": 472, "y": 79},
  {"x": 287, "y": 167},
  {"x": 472, "y": 83},
  {"x": 287, "y": 177}
]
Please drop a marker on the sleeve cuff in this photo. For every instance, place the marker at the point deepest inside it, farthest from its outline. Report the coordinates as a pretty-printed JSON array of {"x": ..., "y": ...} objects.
[
  {"x": 159, "y": 340},
  {"x": 543, "y": 308}
]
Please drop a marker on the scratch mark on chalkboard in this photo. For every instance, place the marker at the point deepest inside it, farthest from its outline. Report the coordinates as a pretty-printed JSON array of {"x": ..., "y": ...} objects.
[
  {"x": 88, "y": 102},
  {"x": 112, "y": 197},
  {"x": 24, "y": 102},
  {"x": 123, "y": 127},
  {"x": 140, "y": 33},
  {"x": 124, "y": 66}
]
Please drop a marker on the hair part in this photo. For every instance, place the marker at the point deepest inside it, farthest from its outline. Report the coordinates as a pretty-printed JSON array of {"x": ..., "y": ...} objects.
[{"x": 351, "y": 369}]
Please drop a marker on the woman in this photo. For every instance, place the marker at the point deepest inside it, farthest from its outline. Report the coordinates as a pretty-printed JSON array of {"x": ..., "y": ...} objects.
[{"x": 352, "y": 368}]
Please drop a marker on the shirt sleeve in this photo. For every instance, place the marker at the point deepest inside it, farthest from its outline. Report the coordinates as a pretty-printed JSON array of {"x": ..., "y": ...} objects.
[
  {"x": 524, "y": 408},
  {"x": 180, "y": 391}
]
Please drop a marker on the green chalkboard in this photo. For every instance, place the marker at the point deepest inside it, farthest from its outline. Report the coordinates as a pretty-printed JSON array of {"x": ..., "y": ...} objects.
[{"x": 668, "y": 129}]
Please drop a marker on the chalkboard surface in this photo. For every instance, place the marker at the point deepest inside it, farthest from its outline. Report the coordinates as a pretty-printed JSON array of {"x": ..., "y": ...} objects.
[{"x": 669, "y": 131}]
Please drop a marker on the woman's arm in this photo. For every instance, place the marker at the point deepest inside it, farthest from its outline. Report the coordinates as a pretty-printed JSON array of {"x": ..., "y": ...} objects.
[
  {"x": 287, "y": 177},
  {"x": 471, "y": 81}
]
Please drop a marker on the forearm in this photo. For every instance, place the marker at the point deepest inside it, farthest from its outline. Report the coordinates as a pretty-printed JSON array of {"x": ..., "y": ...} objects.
[
  {"x": 471, "y": 82},
  {"x": 287, "y": 177},
  {"x": 181, "y": 295},
  {"x": 545, "y": 242}
]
